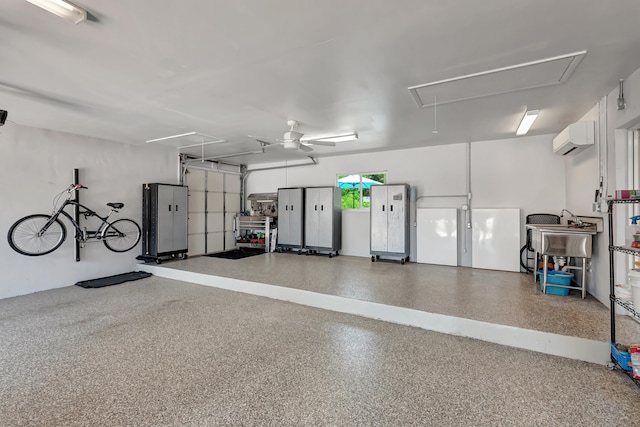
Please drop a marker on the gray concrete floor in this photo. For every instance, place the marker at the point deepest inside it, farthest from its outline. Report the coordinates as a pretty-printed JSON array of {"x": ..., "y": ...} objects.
[
  {"x": 491, "y": 296},
  {"x": 161, "y": 352}
]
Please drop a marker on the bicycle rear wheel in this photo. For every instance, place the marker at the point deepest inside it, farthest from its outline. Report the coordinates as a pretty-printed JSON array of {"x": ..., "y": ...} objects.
[
  {"x": 121, "y": 235},
  {"x": 27, "y": 238}
]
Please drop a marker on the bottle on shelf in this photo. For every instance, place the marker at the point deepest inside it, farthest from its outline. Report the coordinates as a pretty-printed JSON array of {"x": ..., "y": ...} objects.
[{"x": 632, "y": 234}]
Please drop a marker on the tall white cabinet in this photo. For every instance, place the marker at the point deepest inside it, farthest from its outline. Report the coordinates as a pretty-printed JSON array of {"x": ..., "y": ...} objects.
[
  {"x": 290, "y": 218},
  {"x": 323, "y": 220},
  {"x": 390, "y": 222}
]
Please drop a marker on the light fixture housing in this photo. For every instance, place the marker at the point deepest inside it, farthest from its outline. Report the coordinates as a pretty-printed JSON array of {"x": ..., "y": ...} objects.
[
  {"x": 339, "y": 138},
  {"x": 527, "y": 121},
  {"x": 63, "y": 9}
]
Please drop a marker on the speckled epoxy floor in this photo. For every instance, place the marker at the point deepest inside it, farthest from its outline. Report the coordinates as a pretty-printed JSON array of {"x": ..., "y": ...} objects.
[
  {"x": 491, "y": 296},
  {"x": 163, "y": 353}
]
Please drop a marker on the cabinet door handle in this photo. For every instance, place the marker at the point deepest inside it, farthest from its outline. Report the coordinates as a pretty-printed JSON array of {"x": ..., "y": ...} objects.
[
  {"x": 169, "y": 208},
  {"x": 382, "y": 208},
  {"x": 315, "y": 207},
  {"x": 321, "y": 207},
  {"x": 176, "y": 208},
  {"x": 286, "y": 207},
  {"x": 391, "y": 208},
  {"x": 291, "y": 208}
]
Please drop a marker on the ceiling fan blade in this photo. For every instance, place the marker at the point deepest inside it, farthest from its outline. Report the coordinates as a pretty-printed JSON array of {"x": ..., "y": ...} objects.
[
  {"x": 266, "y": 139},
  {"x": 265, "y": 143},
  {"x": 305, "y": 148},
  {"x": 324, "y": 143}
]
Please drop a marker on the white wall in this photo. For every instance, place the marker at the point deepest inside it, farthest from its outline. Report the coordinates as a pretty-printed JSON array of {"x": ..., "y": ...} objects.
[
  {"x": 513, "y": 173},
  {"x": 582, "y": 177},
  {"x": 420, "y": 167},
  {"x": 517, "y": 173},
  {"x": 37, "y": 164},
  {"x": 608, "y": 159}
]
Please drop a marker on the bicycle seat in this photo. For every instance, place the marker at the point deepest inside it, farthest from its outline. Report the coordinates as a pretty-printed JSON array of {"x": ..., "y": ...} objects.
[{"x": 116, "y": 205}]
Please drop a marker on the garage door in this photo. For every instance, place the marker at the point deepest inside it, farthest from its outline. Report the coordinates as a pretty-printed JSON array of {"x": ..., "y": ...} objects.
[{"x": 214, "y": 200}]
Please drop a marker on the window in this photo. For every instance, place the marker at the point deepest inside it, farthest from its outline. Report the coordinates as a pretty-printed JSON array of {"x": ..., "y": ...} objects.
[{"x": 356, "y": 188}]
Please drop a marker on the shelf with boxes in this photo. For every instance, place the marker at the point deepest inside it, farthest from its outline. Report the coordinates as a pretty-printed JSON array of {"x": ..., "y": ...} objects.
[{"x": 620, "y": 358}]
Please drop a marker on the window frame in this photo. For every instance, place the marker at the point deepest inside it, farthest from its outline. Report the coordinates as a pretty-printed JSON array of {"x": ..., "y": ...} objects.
[{"x": 361, "y": 175}]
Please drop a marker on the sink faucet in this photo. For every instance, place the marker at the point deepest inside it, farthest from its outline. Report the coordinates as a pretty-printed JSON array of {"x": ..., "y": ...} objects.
[{"x": 575, "y": 218}]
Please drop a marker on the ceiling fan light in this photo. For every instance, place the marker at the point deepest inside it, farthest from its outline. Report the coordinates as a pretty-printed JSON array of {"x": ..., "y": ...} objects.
[
  {"x": 290, "y": 145},
  {"x": 527, "y": 121},
  {"x": 63, "y": 9},
  {"x": 339, "y": 138},
  {"x": 292, "y": 135}
]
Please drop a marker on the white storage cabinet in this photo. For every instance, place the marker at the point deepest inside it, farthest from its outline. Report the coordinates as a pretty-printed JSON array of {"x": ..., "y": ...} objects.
[
  {"x": 390, "y": 222},
  {"x": 323, "y": 220}
]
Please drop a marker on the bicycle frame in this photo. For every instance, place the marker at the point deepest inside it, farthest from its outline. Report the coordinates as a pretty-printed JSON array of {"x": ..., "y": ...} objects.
[{"x": 81, "y": 234}]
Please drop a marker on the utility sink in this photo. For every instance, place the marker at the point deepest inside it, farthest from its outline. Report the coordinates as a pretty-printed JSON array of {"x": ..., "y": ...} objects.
[
  {"x": 571, "y": 240},
  {"x": 574, "y": 240}
]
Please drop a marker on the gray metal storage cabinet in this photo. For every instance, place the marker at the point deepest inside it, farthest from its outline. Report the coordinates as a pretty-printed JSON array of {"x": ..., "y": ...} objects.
[
  {"x": 323, "y": 220},
  {"x": 290, "y": 218},
  {"x": 390, "y": 221},
  {"x": 164, "y": 220}
]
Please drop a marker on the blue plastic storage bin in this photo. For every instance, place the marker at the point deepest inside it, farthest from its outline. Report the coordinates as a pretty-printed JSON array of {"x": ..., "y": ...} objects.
[
  {"x": 558, "y": 278},
  {"x": 623, "y": 358}
]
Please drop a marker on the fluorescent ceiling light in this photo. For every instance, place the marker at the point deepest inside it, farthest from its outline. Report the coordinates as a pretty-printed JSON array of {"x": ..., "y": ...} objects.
[
  {"x": 528, "y": 119},
  {"x": 164, "y": 138},
  {"x": 211, "y": 139},
  {"x": 340, "y": 138},
  {"x": 63, "y": 9}
]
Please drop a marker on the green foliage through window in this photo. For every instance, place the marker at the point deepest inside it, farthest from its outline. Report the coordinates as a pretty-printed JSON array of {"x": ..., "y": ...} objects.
[{"x": 356, "y": 192}]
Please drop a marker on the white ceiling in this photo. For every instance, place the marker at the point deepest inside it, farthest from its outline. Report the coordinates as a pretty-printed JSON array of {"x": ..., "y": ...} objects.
[{"x": 145, "y": 69}]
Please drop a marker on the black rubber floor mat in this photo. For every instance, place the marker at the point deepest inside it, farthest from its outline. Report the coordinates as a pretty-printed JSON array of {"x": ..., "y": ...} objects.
[
  {"x": 113, "y": 280},
  {"x": 237, "y": 253}
]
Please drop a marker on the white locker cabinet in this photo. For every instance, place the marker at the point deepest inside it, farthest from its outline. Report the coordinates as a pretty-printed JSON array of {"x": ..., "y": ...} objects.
[
  {"x": 290, "y": 218},
  {"x": 390, "y": 221},
  {"x": 323, "y": 220},
  {"x": 164, "y": 220}
]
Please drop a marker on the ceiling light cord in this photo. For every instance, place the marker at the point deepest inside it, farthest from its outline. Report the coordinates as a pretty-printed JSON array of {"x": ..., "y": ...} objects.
[{"x": 435, "y": 114}]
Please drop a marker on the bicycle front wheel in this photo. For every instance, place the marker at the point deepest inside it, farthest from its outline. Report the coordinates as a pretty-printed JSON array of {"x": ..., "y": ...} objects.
[
  {"x": 121, "y": 235},
  {"x": 28, "y": 237}
]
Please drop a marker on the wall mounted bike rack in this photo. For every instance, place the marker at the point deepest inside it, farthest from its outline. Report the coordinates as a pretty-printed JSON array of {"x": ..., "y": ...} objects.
[{"x": 76, "y": 214}]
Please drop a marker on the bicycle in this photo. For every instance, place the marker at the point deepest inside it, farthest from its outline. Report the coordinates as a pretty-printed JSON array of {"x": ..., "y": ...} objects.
[{"x": 41, "y": 234}]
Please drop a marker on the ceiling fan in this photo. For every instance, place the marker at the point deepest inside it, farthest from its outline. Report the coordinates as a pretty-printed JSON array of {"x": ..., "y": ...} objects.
[{"x": 291, "y": 140}]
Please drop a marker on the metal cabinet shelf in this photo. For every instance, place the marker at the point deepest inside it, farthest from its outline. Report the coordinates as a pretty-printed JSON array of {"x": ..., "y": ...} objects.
[
  {"x": 627, "y": 305},
  {"x": 260, "y": 224}
]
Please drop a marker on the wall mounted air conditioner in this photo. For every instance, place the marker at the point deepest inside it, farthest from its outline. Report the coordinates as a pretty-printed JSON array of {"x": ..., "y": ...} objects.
[{"x": 575, "y": 138}]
